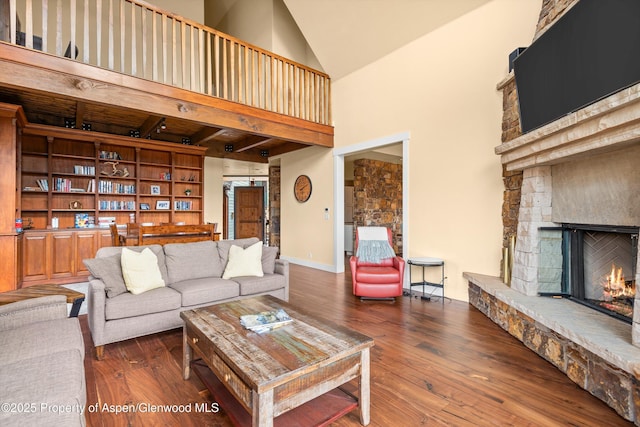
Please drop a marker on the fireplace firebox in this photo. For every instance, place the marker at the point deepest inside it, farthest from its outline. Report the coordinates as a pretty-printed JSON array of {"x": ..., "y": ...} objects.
[{"x": 594, "y": 265}]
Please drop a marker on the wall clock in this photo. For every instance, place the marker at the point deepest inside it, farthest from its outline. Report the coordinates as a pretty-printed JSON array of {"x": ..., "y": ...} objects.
[{"x": 302, "y": 188}]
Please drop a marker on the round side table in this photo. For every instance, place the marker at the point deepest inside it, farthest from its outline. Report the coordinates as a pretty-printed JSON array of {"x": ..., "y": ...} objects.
[{"x": 427, "y": 262}]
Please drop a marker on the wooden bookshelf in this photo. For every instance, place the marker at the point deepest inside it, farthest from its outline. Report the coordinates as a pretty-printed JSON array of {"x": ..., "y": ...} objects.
[{"x": 68, "y": 175}]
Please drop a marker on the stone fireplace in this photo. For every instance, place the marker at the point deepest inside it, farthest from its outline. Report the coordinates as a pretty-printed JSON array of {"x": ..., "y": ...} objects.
[
  {"x": 581, "y": 169},
  {"x": 579, "y": 172}
]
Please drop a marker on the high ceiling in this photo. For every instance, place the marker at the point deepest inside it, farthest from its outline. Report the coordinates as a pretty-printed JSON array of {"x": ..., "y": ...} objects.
[{"x": 346, "y": 35}]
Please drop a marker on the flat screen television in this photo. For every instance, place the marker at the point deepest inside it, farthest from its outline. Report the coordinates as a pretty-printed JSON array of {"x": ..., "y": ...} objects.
[{"x": 589, "y": 53}]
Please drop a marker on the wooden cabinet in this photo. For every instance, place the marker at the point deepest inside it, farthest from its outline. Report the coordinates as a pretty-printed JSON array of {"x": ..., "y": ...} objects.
[{"x": 55, "y": 256}]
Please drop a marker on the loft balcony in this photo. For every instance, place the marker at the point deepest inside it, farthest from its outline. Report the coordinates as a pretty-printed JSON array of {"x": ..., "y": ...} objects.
[{"x": 128, "y": 68}]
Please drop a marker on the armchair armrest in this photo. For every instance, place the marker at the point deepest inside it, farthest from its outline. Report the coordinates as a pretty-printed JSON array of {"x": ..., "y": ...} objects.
[
  {"x": 32, "y": 310},
  {"x": 400, "y": 263}
]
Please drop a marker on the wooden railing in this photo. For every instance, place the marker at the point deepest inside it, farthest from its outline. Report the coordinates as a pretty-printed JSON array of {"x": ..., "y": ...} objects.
[{"x": 138, "y": 39}]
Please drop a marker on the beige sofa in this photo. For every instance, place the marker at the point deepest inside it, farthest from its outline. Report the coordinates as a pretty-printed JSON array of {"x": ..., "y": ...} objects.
[
  {"x": 42, "y": 379},
  {"x": 192, "y": 273}
]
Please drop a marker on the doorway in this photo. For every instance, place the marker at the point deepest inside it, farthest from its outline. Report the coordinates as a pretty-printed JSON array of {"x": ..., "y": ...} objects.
[{"x": 339, "y": 190}]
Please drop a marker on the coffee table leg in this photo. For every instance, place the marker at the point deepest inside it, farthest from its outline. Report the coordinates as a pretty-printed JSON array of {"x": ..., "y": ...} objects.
[
  {"x": 186, "y": 354},
  {"x": 75, "y": 307},
  {"x": 262, "y": 411},
  {"x": 365, "y": 387}
]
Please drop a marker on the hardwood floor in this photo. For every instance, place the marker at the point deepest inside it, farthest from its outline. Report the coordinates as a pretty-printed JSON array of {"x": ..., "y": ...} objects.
[{"x": 432, "y": 364}]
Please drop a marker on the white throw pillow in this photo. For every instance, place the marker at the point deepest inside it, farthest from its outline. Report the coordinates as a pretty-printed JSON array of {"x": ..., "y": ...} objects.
[
  {"x": 244, "y": 262},
  {"x": 140, "y": 270}
]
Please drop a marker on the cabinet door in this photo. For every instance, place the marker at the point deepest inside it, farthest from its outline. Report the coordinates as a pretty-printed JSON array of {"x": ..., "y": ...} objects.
[
  {"x": 86, "y": 247},
  {"x": 104, "y": 239},
  {"x": 35, "y": 256},
  {"x": 62, "y": 259}
]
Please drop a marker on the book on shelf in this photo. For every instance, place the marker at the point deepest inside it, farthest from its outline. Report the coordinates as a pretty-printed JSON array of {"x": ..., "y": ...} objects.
[
  {"x": 104, "y": 221},
  {"x": 84, "y": 170},
  {"x": 43, "y": 184},
  {"x": 265, "y": 321},
  {"x": 28, "y": 188}
]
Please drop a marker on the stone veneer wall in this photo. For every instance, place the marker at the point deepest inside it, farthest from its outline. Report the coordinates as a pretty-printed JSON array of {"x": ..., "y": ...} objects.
[
  {"x": 617, "y": 388},
  {"x": 377, "y": 190},
  {"x": 274, "y": 206}
]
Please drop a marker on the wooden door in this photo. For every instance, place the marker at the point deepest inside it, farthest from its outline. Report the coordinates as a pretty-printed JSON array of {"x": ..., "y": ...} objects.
[{"x": 248, "y": 212}]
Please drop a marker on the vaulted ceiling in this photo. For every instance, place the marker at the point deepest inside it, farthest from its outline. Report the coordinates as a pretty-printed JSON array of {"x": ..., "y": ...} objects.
[{"x": 346, "y": 35}]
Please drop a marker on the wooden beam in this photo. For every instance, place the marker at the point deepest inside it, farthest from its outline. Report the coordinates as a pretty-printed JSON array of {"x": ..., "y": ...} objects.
[
  {"x": 80, "y": 109},
  {"x": 150, "y": 125},
  {"x": 249, "y": 143},
  {"x": 205, "y": 135}
]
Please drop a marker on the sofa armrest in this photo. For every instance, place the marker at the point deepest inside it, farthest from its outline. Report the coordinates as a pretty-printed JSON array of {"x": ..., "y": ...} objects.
[
  {"x": 96, "y": 299},
  {"x": 282, "y": 267},
  {"x": 32, "y": 310}
]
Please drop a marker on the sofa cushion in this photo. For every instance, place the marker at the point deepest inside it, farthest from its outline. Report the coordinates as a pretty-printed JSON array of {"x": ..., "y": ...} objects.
[
  {"x": 55, "y": 383},
  {"x": 256, "y": 285},
  {"x": 244, "y": 262},
  {"x": 39, "y": 339},
  {"x": 206, "y": 290},
  {"x": 225, "y": 245},
  {"x": 269, "y": 255},
  {"x": 108, "y": 268},
  {"x": 140, "y": 271},
  {"x": 194, "y": 260},
  {"x": 153, "y": 301}
]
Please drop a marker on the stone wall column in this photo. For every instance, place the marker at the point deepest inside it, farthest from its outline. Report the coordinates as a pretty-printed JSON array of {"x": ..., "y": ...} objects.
[
  {"x": 274, "y": 206},
  {"x": 535, "y": 212}
]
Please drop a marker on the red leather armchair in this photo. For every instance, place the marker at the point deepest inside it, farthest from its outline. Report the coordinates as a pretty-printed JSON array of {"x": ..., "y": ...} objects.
[{"x": 377, "y": 280}]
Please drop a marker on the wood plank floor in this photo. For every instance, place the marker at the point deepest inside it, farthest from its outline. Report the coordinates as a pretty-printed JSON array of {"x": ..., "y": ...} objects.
[{"x": 432, "y": 364}]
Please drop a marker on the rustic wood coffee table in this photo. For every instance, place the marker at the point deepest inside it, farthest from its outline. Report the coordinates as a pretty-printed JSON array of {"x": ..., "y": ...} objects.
[
  {"x": 272, "y": 373},
  {"x": 34, "y": 291}
]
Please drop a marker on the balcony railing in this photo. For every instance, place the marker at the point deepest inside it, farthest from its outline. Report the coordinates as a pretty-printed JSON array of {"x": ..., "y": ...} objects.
[{"x": 138, "y": 39}]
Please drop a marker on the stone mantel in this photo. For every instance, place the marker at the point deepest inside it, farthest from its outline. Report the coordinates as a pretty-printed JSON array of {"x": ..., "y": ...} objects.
[{"x": 607, "y": 125}]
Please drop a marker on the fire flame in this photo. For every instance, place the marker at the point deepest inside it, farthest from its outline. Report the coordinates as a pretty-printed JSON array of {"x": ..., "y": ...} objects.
[{"x": 615, "y": 285}]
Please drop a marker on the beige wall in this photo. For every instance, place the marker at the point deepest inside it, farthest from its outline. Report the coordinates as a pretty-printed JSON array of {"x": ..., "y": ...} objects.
[
  {"x": 306, "y": 236},
  {"x": 213, "y": 193},
  {"x": 441, "y": 89},
  {"x": 190, "y": 9},
  {"x": 266, "y": 24}
]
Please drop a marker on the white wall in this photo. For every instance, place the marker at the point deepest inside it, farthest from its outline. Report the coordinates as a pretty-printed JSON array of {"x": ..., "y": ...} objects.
[{"x": 441, "y": 89}]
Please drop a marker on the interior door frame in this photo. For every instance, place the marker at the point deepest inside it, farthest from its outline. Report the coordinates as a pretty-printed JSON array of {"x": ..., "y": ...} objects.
[{"x": 338, "y": 191}]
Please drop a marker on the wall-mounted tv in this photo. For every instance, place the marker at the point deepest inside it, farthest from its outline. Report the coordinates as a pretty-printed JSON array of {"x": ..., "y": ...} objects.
[{"x": 588, "y": 54}]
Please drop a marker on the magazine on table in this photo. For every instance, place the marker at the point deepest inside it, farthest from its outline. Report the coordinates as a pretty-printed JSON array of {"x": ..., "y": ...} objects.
[{"x": 265, "y": 321}]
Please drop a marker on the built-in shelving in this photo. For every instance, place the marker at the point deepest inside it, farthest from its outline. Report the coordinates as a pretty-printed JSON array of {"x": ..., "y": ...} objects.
[{"x": 69, "y": 174}]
